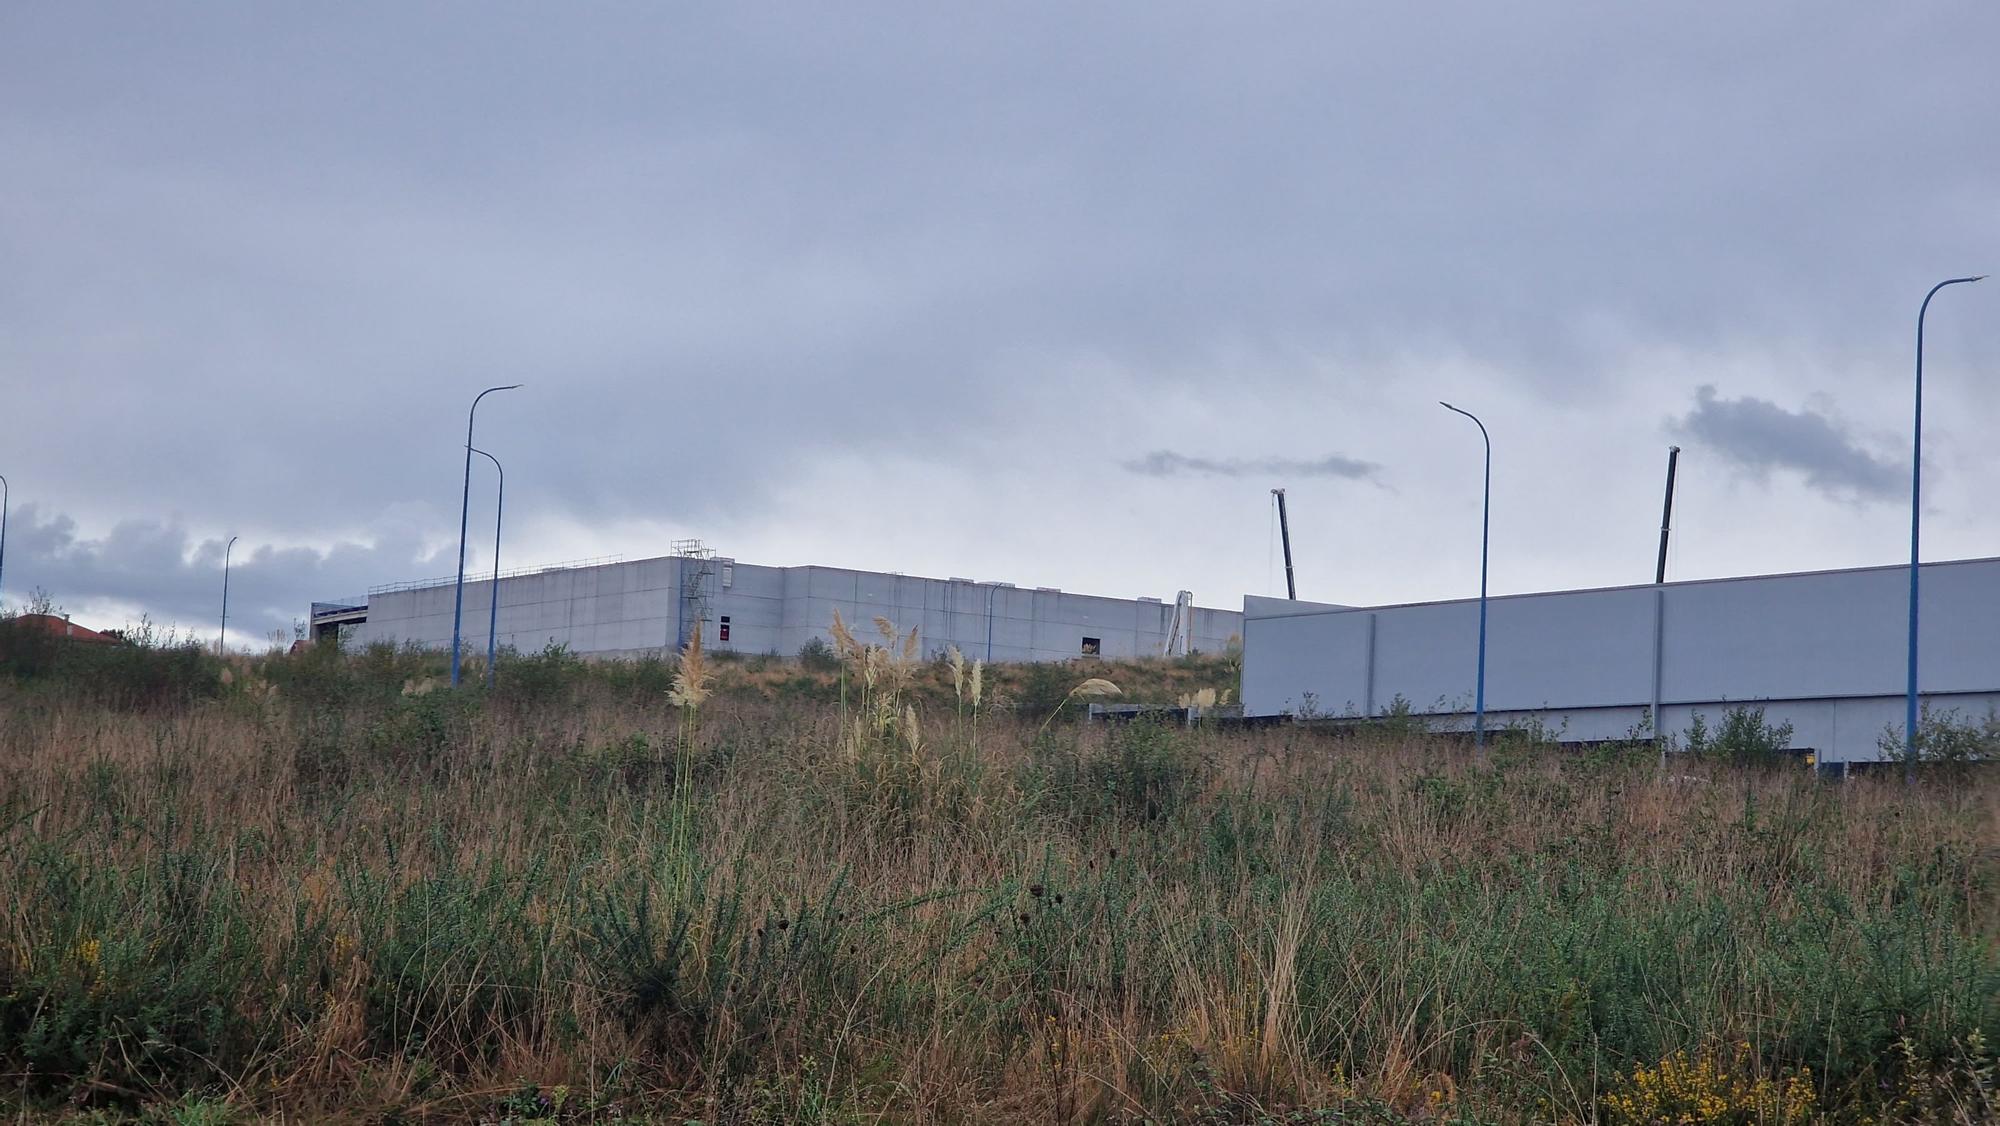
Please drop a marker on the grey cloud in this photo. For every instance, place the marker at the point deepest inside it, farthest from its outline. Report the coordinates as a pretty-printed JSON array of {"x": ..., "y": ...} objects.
[
  {"x": 178, "y": 579},
  {"x": 721, "y": 243},
  {"x": 1761, "y": 436},
  {"x": 1167, "y": 463}
]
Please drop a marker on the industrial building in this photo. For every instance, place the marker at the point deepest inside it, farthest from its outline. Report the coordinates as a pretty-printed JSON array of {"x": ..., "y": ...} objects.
[
  {"x": 650, "y": 606},
  {"x": 1825, "y": 651}
]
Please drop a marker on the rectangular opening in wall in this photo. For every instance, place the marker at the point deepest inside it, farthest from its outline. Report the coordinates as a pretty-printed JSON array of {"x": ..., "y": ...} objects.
[
  {"x": 722, "y": 629},
  {"x": 1092, "y": 646}
]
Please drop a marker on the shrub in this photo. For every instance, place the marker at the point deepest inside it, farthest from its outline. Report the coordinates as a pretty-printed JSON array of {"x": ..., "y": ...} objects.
[
  {"x": 1710, "y": 1089},
  {"x": 817, "y": 656},
  {"x": 27, "y": 652},
  {"x": 426, "y": 733},
  {"x": 645, "y": 679},
  {"x": 1744, "y": 739},
  {"x": 326, "y": 676},
  {"x": 148, "y": 671},
  {"x": 1143, "y": 770},
  {"x": 551, "y": 676},
  {"x": 142, "y": 979},
  {"x": 1042, "y": 689},
  {"x": 1946, "y": 739}
]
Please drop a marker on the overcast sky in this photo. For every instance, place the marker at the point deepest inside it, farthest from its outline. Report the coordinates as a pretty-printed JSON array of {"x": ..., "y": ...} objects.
[{"x": 1044, "y": 293}]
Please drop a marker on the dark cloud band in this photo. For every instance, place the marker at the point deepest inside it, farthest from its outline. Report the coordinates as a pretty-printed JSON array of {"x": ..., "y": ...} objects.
[
  {"x": 1167, "y": 463},
  {"x": 178, "y": 579},
  {"x": 1761, "y": 436}
]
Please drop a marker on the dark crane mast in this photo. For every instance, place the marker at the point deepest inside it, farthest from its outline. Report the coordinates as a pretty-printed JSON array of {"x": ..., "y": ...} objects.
[
  {"x": 1667, "y": 514},
  {"x": 1285, "y": 531}
]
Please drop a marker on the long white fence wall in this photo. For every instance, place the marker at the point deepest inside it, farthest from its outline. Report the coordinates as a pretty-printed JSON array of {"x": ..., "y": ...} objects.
[
  {"x": 613, "y": 608},
  {"x": 1825, "y": 651},
  {"x": 630, "y": 609},
  {"x": 1012, "y": 623}
]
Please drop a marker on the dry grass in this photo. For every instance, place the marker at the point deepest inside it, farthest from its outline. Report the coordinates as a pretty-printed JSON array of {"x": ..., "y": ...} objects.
[{"x": 433, "y": 906}]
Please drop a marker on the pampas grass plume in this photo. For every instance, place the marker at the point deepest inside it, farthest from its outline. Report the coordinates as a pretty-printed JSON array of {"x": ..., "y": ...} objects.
[
  {"x": 956, "y": 660},
  {"x": 843, "y": 638},
  {"x": 691, "y": 680}
]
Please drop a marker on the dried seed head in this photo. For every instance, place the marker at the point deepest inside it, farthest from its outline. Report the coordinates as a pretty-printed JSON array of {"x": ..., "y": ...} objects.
[
  {"x": 843, "y": 638},
  {"x": 690, "y": 685}
]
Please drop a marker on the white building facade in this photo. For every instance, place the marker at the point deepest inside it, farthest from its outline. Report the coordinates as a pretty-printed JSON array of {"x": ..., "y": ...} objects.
[
  {"x": 1824, "y": 651},
  {"x": 651, "y": 606}
]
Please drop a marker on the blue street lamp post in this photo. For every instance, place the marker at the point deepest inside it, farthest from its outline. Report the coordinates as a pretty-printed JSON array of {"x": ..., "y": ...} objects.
[
  {"x": 989, "y": 621},
  {"x": 222, "y": 641},
  {"x": 1916, "y": 523},
  {"x": 493, "y": 611},
  {"x": 464, "y": 513},
  {"x": 1485, "y": 528}
]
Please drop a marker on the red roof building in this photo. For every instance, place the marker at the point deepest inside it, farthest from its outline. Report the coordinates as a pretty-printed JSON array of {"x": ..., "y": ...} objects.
[{"x": 62, "y": 627}]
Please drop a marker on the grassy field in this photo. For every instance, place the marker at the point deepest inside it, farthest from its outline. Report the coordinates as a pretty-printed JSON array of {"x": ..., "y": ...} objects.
[{"x": 323, "y": 887}]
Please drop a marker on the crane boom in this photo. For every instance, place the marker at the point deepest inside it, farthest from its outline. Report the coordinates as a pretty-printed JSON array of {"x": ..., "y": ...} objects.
[{"x": 1285, "y": 530}]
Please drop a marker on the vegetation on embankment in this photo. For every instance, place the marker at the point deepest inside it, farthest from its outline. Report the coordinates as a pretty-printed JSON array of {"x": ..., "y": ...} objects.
[{"x": 323, "y": 886}]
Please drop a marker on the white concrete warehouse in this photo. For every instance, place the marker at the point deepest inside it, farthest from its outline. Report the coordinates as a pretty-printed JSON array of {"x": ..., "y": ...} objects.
[
  {"x": 1825, "y": 651},
  {"x": 648, "y": 606}
]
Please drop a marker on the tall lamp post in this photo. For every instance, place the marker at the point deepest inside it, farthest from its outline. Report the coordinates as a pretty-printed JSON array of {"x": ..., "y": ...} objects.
[
  {"x": 222, "y": 641},
  {"x": 493, "y": 612},
  {"x": 1485, "y": 528},
  {"x": 464, "y": 512},
  {"x": 1916, "y": 524},
  {"x": 990, "y": 588}
]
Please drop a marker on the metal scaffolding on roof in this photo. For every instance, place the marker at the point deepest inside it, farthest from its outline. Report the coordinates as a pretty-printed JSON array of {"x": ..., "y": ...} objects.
[{"x": 697, "y": 587}]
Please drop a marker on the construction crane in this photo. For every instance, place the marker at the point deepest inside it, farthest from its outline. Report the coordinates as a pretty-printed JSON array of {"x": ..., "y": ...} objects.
[
  {"x": 1285, "y": 531},
  {"x": 1667, "y": 514}
]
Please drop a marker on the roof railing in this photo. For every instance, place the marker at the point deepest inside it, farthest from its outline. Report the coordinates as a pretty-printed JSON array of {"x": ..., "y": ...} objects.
[{"x": 570, "y": 565}]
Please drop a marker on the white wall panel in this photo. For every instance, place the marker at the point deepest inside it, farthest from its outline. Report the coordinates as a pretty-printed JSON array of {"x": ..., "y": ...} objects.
[
  {"x": 1824, "y": 651},
  {"x": 624, "y": 608}
]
